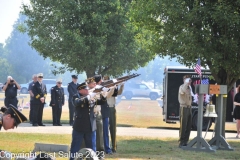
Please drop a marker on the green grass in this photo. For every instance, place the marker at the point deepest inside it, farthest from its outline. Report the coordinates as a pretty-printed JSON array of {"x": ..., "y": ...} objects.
[{"x": 128, "y": 147}]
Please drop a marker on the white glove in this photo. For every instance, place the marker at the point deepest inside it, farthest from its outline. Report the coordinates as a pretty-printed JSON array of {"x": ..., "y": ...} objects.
[
  {"x": 92, "y": 94},
  {"x": 187, "y": 80},
  {"x": 105, "y": 89}
]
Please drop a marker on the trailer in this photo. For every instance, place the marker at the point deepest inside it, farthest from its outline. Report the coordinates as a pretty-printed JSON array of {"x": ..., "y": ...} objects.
[{"x": 173, "y": 78}]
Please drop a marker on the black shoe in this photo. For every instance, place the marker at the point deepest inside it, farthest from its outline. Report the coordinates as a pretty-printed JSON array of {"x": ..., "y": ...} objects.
[
  {"x": 114, "y": 151},
  {"x": 109, "y": 153},
  {"x": 59, "y": 124},
  {"x": 35, "y": 125},
  {"x": 55, "y": 124},
  {"x": 42, "y": 125}
]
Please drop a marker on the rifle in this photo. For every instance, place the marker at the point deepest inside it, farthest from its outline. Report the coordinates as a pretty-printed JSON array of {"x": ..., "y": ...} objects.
[{"x": 124, "y": 78}]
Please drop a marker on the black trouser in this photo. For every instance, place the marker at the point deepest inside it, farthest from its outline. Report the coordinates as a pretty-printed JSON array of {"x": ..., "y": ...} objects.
[
  {"x": 11, "y": 100},
  {"x": 56, "y": 113},
  {"x": 71, "y": 111},
  {"x": 38, "y": 113},
  {"x": 31, "y": 111},
  {"x": 185, "y": 124},
  {"x": 113, "y": 127}
]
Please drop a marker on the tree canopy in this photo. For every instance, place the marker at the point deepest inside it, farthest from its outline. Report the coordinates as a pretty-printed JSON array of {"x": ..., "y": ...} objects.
[
  {"x": 188, "y": 29},
  {"x": 95, "y": 37}
]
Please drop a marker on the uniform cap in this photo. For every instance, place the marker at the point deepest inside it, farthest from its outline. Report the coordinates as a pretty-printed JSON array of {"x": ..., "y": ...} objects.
[
  {"x": 75, "y": 76},
  {"x": 106, "y": 77},
  {"x": 97, "y": 78},
  {"x": 90, "y": 80},
  {"x": 186, "y": 76},
  {"x": 40, "y": 75},
  {"x": 16, "y": 114},
  {"x": 82, "y": 86},
  {"x": 59, "y": 80}
]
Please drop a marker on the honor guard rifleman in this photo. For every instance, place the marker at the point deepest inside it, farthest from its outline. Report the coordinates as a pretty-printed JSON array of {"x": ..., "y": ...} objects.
[
  {"x": 10, "y": 117},
  {"x": 39, "y": 91},
  {"x": 85, "y": 122},
  {"x": 57, "y": 101},
  {"x": 72, "y": 89}
]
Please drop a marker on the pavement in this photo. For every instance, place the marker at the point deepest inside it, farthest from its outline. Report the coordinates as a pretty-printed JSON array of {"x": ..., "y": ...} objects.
[{"x": 121, "y": 131}]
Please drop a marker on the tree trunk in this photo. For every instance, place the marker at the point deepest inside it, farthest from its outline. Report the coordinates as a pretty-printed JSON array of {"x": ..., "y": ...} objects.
[{"x": 224, "y": 115}]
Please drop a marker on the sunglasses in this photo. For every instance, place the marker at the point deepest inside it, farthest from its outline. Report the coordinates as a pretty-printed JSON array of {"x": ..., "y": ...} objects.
[
  {"x": 59, "y": 82},
  {"x": 40, "y": 76}
]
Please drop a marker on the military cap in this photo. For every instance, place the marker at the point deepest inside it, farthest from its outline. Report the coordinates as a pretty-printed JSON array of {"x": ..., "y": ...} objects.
[
  {"x": 82, "y": 86},
  {"x": 59, "y": 80},
  {"x": 16, "y": 114},
  {"x": 75, "y": 76},
  {"x": 106, "y": 77},
  {"x": 90, "y": 80},
  {"x": 186, "y": 76},
  {"x": 97, "y": 78},
  {"x": 40, "y": 75}
]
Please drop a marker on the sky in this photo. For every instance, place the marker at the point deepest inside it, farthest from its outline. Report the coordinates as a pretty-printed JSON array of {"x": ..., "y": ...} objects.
[{"x": 9, "y": 10}]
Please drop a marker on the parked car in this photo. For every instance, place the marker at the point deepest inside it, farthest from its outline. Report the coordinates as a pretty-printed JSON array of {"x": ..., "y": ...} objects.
[
  {"x": 48, "y": 82},
  {"x": 140, "y": 90}
]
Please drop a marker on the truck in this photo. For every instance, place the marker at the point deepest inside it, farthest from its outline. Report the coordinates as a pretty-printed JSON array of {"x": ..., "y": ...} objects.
[{"x": 173, "y": 78}]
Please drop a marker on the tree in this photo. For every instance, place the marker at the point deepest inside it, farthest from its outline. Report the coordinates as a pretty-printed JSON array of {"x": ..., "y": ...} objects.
[
  {"x": 4, "y": 65},
  {"x": 24, "y": 60},
  {"x": 95, "y": 37},
  {"x": 188, "y": 29}
]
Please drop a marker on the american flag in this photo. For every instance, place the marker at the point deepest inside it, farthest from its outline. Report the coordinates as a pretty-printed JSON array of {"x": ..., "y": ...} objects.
[
  {"x": 198, "y": 67},
  {"x": 205, "y": 81}
]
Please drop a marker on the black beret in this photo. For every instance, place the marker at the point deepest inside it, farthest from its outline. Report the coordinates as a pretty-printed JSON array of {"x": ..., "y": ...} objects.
[
  {"x": 16, "y": 114},
  {"x": 97, "y": 78},
  {"x": 82, "y": 86},
  {"x": 75, "y": 76}
]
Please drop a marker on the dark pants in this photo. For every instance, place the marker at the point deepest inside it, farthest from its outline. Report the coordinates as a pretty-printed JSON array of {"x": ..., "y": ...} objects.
[
  {"x": 56, "y": 113},
  {"x": 77, "y": 138},
  {"x": 12, "y": 101},
  {"x": 99, "y": 134},
  {"x": 31, "y": 111},
  {"x": 105, "y": 135},
  {"x": 38, "y": 113},
  {"x": 185, "y": 124},
  {"x": 71, "y": 111},
  {"x": 113, "y": 127}
]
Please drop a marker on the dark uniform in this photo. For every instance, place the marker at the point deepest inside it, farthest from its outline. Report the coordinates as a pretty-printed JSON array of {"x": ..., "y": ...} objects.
[
  {"x": 11, "y": 95},
  {"x": 39, "y": 91},
  {"x": 57, "y": 98},
  {"x": 72, "y": 89},
  {"x": 31, "y": 105},
  {"x": 84, "y": 123}
]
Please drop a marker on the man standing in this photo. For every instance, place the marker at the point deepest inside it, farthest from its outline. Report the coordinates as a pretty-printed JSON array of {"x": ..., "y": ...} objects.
[
  {"x": 84, "y": 123},
  {"x": 111, "y": 100},
  {"x": 39, "y": 91},
  {"x": 34, "y": 78},
  {"x": 72, "y": 89},
  {"x": 10, "y": 87},
  {"x": 185, "y": 100},
  {"x": 57, "y": 101}
]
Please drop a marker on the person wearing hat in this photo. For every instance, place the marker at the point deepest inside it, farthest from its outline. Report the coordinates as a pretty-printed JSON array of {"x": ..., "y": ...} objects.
[
  {"x": 11, "y": 117},
  {"x": 85, "y": 121},
  {"x": 39, "y": 91},
  {"x": 185, "y": 100},
  {"x": 57, "y": 101},
  {"x": 10, "y": 87},
  {"x": 111, "y": 101},
  {"x": 72, "y": 89},
  {"x": 102, "y": 117}
]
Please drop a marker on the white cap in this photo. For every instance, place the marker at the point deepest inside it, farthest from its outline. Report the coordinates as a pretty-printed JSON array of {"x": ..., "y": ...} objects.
[
  {"x": 59, "y": 80},
  {"x": 40, "y": 75}
]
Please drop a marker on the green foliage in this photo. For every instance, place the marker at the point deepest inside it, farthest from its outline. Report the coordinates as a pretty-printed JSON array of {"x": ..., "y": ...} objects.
[
  {"x": 95, "y": 37},
  {"x": 190, "y": 29}
]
